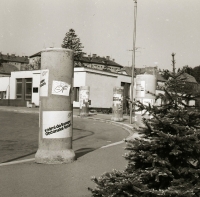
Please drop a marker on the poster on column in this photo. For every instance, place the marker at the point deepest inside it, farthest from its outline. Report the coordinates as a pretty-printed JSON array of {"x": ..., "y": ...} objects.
[
  {"x": 117, "y": 99},
  {"x": 57, "y": 124},
  {"x": 140, "y": 89},
  {"x": 44, "y": 78},
  {"x": 84, "y": 97},
  {"x": 60, "y": 88}
]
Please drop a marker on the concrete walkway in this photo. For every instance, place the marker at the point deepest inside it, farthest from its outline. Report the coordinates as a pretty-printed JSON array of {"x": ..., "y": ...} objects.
[{"x": 26, "y": 178}]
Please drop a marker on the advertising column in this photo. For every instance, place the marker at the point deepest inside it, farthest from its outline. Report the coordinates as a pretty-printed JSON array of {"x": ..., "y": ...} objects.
[
  {"x": 145, "y": 93},
  {"x": 84, "y": 100},
  {"x": 56, "y": 110},
  {"x": 117, "y": 104}
]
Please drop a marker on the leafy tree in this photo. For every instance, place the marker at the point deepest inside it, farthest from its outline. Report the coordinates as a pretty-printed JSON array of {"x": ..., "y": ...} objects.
[
  {"x": 165, "y": 160},
  {"x": 36, "y": 65},
  {"x": 165, "y": 74},
  {"x": 71, "y": 41},
  {"x": 196, "y": 73},
  {"x": 189, "y": 70}
]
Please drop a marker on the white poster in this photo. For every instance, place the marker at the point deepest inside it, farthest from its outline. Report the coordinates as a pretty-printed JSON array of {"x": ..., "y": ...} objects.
[
  {"x": 44, "y": 78},
  {"x": 84, "y": 98},
  {"x": 60, "y": 88},
  {"x": 117, "y": 99},
  {"x": 140, "y": 88},
  {"x": 57, "y": 124}
]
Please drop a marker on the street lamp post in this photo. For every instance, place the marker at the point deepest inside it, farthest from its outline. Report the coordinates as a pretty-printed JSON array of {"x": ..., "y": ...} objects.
[{"x": 133, "y": 59}]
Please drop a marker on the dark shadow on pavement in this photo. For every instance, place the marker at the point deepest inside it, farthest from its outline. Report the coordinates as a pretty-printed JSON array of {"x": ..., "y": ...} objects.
[
  {"x": 78, "y": 153},
  {"x": 91, "y": 133},
  {"x": 16, "y": 158},
  {"x": 83, "y": 151}
]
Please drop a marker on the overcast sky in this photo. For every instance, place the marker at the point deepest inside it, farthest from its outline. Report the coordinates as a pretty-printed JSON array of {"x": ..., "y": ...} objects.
[{"x": 105, "y": 28}]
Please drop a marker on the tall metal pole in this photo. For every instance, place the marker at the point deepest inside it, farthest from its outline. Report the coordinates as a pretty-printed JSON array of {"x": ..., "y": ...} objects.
[{"x": 133, "y": 59}]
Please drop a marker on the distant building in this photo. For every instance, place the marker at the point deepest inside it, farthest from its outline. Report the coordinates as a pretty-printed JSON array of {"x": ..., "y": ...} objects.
[
  {"x": 6, "y": 69},
  {"x": 90, "y": 61},
  {"x": 35, "y": 61},
  {"x": 14, "y": 60},
  {"x": 99, "y": 63}
]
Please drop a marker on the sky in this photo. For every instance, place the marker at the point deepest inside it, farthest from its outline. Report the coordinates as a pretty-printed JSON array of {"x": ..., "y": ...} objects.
[{"x": 105, "y": 28}]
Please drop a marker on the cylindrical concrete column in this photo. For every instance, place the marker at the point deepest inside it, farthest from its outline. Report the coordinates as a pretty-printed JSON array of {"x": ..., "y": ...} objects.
[
  {"x": 56, "y": 107},
  {"x": 145, "y": 93},
  {"x": 84, "y": 100},
  {"x": 117, "y": 109}
]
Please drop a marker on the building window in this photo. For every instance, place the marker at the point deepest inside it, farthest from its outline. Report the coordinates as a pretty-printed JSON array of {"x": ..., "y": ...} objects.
[
  {"x": 76, "y": 94},
  {"x": 28, "y": 88},
  {"x": 19, "y": 89},
  {"x": 24, "y": 89},
  {"x": 3, "y": 95}
]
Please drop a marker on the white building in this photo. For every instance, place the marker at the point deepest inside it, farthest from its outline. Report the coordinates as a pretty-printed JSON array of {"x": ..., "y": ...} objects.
[
  {"x": 23, "y": 86},
  {"x": 101, "y": 85}
]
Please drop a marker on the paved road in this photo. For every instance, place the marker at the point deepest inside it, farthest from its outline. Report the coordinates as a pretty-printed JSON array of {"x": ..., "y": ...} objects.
[{"x": 19, "y": 135}]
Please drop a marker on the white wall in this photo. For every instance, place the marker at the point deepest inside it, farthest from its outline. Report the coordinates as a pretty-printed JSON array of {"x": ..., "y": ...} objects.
[
  {"x": 79, "y": 77},
  {"x": 20, "y": 74},
  {"x": 36, "y": 84},
  {"x": 123, "y": 78},
  {"x": 5, "y": 85},
  {"x": 101, "y": 89},
  {"x": 101, "y": 85}
]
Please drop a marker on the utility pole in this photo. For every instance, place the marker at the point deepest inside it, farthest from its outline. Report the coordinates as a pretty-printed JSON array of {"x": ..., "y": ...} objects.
[{"x": 133, "y": 59}]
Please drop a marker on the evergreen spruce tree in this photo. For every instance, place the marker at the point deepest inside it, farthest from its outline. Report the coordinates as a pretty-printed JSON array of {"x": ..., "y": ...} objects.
[
  {"x": 165, "y": 160},
  {"x": 71, "y": 41}
]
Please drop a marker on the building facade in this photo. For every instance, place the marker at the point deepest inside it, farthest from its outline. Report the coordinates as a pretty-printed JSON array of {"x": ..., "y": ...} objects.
[
  {"x": 23, "y": 86},
  {"x": 90, "y": 61},
  {"x": 14, "y": 60}
]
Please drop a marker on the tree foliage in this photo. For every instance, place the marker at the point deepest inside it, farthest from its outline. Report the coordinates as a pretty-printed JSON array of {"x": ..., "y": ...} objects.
[
  {"x": 196, "y": 73},
  {"x": 71, "y": 41},
  {"x": 165, "y": 160},
  {"x": 36, "y": 65}
]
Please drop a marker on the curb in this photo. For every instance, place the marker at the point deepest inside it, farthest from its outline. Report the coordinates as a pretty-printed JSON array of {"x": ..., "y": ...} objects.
[
  {"x": 19, "y": 111},
  {"x": 129, "y": 128},
  {"x": 124, "y": 126}
]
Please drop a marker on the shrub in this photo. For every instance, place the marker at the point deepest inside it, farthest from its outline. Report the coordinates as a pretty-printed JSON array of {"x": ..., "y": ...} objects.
[{"x": 165, "y": 160}]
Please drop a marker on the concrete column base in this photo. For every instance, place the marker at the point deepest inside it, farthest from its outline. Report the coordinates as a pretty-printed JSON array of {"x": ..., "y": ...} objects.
[
  {"x": 55, "y": 157},
  {"x": 84, "y": 115},
  {"x": 117, "y": 119}
]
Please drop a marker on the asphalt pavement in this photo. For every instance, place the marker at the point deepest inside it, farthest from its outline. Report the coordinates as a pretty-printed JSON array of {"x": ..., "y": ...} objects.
[{"x": 24, "y": 177}]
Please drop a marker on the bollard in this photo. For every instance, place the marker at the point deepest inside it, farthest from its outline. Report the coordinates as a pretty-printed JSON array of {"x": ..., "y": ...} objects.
[
  {"x": 84, "y": 100},
  {"x": 56, "y": 109},
  {"x": 117, "y": 110},
  {"x": 145, "y": 93}
]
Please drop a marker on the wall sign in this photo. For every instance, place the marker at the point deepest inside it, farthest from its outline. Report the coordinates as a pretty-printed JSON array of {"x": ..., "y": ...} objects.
[
  {"x": 44, "y": 78},
  {"x": 57, "y": 124},
  {"x": 60, "y": 88}
]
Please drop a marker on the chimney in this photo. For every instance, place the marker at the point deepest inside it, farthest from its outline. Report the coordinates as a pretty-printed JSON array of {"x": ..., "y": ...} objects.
[
  {"x": 113, "y": 60},
  {"x": 108, "y": 57},
  {"x": 94, "y": 55}
]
